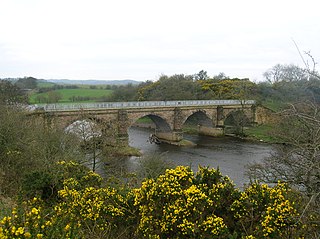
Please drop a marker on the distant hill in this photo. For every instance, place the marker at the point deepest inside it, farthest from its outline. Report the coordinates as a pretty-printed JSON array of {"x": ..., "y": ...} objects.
[
  {"x": 80, "y": 82},
  {"x": 94, "y": 82}
]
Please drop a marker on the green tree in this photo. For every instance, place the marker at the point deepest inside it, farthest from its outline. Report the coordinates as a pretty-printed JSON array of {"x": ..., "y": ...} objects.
[
  {"x": 41, "y": 99},
  {"x": 234, "y": 88},
  {"x": 54, "y": 96},
  {"x": 202, "y": 75},
  {"x": 27, "y": 83},
  {"x": 11, "y": 94},
  {"x": 175, "y": 87},
  {"x": 124, "y": 93},
  {"x": 28, "y": 144}
]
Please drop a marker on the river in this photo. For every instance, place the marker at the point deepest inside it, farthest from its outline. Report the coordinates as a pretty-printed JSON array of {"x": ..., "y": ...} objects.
[{"x": 230, "y": 154}]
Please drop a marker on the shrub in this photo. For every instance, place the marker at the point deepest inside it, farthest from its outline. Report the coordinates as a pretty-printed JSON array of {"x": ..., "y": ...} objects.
[
  {"x": 177, "y": 204},
  {"x": 180, "y": 204}
]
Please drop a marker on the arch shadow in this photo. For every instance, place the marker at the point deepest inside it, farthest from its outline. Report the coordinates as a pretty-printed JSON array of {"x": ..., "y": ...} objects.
[{"x": 236, "y": 121}]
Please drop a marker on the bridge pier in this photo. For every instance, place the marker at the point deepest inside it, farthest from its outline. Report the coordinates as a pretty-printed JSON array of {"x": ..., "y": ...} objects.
[
  {"x": 210, "y": 131},
  {"x": 123, "y": 139},
  {"x": 174, "y": 136},
  {"x": 169, "y": 117}
]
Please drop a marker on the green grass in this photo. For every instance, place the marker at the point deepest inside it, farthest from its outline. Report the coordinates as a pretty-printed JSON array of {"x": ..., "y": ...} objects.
[
  {"x": 45, "y": 84},
  {"x": 145, "y": 120},
  {"x": 68, "y": 93},
  {"x": 261, "y": 132},
  {"x": 190, "y": 129},
  {"x": 275, "y": 105}
]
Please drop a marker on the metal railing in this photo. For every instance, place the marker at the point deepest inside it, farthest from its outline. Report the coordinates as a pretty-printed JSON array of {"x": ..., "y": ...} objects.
[{"x": 138, "y": 104}]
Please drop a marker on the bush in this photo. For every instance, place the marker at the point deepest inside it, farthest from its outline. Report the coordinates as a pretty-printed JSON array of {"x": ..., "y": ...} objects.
[
  {"x": 45, "y": 185},
  {"x": 180, "y": 204},
  {"x": 177, "y": 204}
]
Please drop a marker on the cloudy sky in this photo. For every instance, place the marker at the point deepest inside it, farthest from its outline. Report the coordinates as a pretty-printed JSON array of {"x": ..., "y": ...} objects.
[{"x": 142, "y": 39}]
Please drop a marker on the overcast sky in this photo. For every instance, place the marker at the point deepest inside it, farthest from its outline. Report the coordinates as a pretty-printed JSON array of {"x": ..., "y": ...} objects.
[{"x": 142, "y": 39}]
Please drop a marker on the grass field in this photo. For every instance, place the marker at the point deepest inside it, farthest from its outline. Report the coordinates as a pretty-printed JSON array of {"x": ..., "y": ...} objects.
[
  {"x": 261, "y": 132},
  {"x": 69, "y": 93},
  {"x": 275, "y": 105},
  {"x": 45, "y": 84}
]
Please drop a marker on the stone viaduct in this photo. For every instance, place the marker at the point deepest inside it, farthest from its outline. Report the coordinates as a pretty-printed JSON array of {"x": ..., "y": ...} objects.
[{"x": 168, "y": 116}]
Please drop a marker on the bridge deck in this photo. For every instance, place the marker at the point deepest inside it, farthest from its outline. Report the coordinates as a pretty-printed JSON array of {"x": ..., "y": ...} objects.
[{"x": 140, "y": 104}]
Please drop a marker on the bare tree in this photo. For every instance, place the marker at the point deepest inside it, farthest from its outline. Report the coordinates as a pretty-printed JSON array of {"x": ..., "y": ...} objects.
[
  {"x": 297, "y": 160},
  {"x": 310, "y": 69},
  {"x": 285, "y": 73},
  {"x": 89, "y": 136}
]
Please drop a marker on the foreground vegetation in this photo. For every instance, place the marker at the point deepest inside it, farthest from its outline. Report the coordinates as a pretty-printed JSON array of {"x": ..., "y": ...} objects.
[
  {"x": 176, "y": 204},
  {"x": 49, "y": 187}
]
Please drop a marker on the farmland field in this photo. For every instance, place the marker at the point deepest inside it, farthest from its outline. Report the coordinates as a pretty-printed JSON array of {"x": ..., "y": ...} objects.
[
  {"x": 68, "y": 94},
  {"x": 45, "y": 84}
]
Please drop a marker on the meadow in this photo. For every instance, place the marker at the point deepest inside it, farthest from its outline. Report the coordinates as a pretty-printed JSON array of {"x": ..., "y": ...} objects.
[{"x": 73, "y": 95}]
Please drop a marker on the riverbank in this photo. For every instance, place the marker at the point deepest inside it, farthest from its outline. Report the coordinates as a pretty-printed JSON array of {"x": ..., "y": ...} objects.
[
  {"x": 258, "y": 133},
  {"x": 127, "y": 151},
  {"x": 229, "y": 154},
  {"x": 261, "y": 133},
  {"x": 183, "y": 143}
]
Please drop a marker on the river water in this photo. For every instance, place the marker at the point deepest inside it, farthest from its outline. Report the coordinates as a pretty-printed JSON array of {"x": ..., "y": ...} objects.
[{"x": 230, "y": 154}]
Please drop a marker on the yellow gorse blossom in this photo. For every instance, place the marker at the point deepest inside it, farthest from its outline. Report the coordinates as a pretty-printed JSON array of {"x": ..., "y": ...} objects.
[
  {"x": 270, "y": 206},
  {"x": 177, "y": 204}
]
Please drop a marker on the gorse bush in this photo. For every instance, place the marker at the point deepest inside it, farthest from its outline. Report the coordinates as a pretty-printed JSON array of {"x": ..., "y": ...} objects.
[
  {"x": 266, "y": 212},
  {"x": 180, "y": 204},
  {"x": 177, "y": 204}
]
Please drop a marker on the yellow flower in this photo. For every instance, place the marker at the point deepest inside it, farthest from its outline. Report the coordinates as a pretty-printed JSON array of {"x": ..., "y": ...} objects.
[
  {"x": 27, "y": 234},
  {"x": 19, "y": 231},
  {"x": 48, "y": 223},
  {"x": 34, "y": 211},
  {"x": 4, "y": 220},
  {"x": 39, "y": 236},
  {"x": 67, "y": 227}
]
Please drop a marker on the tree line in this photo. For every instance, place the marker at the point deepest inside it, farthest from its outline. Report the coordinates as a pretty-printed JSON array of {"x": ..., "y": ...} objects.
[{"x": 283, "y": 83}]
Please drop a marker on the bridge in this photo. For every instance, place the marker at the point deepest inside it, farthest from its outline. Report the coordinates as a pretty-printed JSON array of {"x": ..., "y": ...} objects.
[{"x": 168, "y": 116}]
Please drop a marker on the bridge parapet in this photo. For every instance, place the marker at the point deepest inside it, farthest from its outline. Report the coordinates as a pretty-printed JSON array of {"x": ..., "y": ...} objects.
[{"x": 140, "y": 104}]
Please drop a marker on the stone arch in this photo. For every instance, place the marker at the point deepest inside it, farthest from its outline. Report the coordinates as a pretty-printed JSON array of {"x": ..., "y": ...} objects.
[
  {"x": 103, "y": 130},
  {"x": 200, "y": 117},
  {"x": 235, "y": 114},
  {"x": 235, "y": 122},
  {"x": 204, "y": 121},
  {"x": 95, "y": 123},
  {"x": 164, "y": 122},
  {"x": 162, "y": 125},
  {"x": 67, "y": 121}
]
